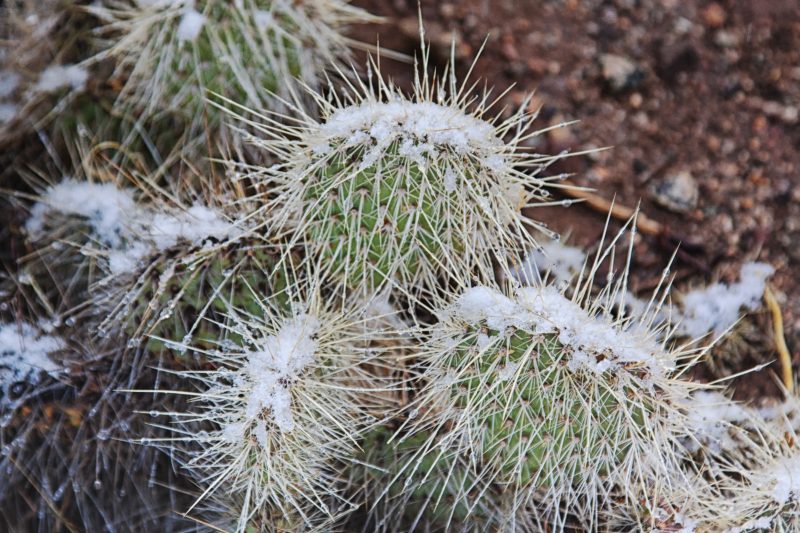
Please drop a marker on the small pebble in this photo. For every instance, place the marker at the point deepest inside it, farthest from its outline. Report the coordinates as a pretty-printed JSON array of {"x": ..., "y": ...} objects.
[
  {"x": 714, "y": 15},
  {"x": 677, "y": 192},
  {"x": 620, "y": 73}
]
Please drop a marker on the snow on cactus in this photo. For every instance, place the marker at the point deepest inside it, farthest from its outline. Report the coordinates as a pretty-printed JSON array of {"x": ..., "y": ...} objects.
[
  {"x": 24, "y": 359},
  {"x": 163, "y": 267},
  {"x": 174, "y": 52},
  {"x": 550, "y": 397},
  {"x": 287, "y": 396},
  {"x": 753, "y": 487},
  {"x": 389, "y": 188},
  {"x": 395, "y": 500}
]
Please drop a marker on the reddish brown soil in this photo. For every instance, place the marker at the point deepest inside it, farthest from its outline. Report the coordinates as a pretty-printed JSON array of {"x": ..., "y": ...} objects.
[{"x": 715, "y": 93}]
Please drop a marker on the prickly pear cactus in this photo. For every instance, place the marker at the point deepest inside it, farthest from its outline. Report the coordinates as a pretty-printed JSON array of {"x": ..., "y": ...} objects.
[
  {"x": 175, "y": 53},
  {"x": 540, "y": 395},
  {"x": 390, "y": 189}
]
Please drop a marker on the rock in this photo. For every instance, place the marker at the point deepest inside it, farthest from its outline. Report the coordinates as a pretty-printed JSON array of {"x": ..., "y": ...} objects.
[
  {"x": 675, "y": 58},
  {"x": 714, "y": 15},
  {"x": 620, "y": 73},
  {"x": 726, "y": 39},
  {"x": 677, "y": 192}
]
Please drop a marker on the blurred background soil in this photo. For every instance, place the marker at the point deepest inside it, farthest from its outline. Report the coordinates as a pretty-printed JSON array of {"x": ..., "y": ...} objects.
[{"x": 698, "y": 103}]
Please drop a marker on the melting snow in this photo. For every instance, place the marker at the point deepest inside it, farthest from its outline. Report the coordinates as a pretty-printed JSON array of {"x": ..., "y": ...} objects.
[
  {"x": 594, "y": 344},
  {"x": 420, "y": 129},
  {"x": 24, "y": 355},
  {"x": 269, "y": 374},
  {"x": 716, "y": 307}
]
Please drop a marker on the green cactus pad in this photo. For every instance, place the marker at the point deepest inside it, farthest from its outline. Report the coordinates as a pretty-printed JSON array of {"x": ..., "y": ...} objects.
[{"x": 379, "y": 222}]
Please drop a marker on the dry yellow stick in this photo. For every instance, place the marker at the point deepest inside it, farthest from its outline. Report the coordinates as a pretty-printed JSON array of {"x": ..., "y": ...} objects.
[
  {"x": 780, "y": 341},
  {"x": 644, "y": 223}
]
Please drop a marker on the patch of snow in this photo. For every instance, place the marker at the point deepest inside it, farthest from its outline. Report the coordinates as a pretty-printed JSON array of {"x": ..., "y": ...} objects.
[
  {"x": 765, "y": 522},
  {"x": 106, "y": 207},
  {"x": 164, "y": 3},
  {"x": 784, "y": 416},
  {"x": 561, "y": 261},
  {"x": 687, "y": 524},
  {"x": 507, "y": 372},
  {"x": 784, "y": 480},
  {"x": 710, "y": 415},
  {"x": 420, "y": 130},
  {"x": 8, "y": 112},
  {"x": 57, "y": 77},
  {"x": 716, "y": 308},
  {"x": 195, "y": 225},
  {"x": 263, "y": 19},
  {"x": 449, "y": 180},
  {"x": 130, "y": 232},
  {"x": 268, "y": 376},
  {"x": 594, "y": 344},
  {"x": 129, "y": 258},
  {"x": 24, "y": 355},
  {"x": 483, "y": 304},
  {"x": 190, "y": 26},
  {"x": 9, "y": 81}
]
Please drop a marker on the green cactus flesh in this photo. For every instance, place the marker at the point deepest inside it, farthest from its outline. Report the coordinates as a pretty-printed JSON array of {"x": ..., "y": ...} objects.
[
  {"x": 428, "y": 485},
  {"x": 238, "y": 277},
  {"x": 203, "y": 64},
  {"x": 375, "y": 225},
  {"x": 536, "y": 427}
]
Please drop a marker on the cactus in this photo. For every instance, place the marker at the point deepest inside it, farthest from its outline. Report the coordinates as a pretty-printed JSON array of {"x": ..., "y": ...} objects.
[
  {"x": 159, "y": 271},
  {"x": 266, "y": 310},
  {"x": 434, "y": 497},
  {"x": 290, "y": 393},
  {"x": 173, "y": 53},
  {"x": 389, "y": 189},
  {"x": 549, "y": 397}
]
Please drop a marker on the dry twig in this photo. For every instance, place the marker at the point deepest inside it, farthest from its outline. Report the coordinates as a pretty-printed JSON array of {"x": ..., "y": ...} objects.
[{"x": 780, "y": 342}]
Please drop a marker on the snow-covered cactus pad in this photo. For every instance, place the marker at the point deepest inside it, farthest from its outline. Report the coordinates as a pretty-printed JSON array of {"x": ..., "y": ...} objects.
[
  {"x": 288, "y": 395},
  {"x": 145, "y": 263},
  {"x": 174, "y": 51},
  {"x": 392, "y": 188},
  {"x": 552, "y": 398}
]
